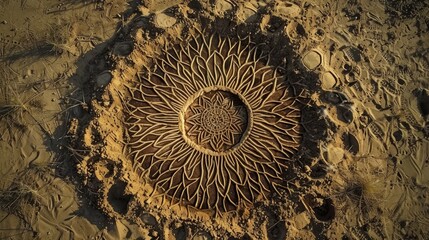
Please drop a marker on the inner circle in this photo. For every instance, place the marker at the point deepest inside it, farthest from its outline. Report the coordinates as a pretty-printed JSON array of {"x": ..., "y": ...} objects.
[{"x": 215, "y": 120}]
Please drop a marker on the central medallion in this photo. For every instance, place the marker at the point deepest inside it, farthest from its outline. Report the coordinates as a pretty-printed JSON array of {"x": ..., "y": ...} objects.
[{"x": 215, "y": 120}]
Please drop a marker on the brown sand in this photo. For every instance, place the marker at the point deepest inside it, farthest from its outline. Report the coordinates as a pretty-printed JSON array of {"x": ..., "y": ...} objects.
[{"x": 356, "y": 167}]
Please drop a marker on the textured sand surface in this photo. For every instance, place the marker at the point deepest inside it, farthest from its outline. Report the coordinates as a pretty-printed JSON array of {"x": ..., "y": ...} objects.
[{"x": 214, "y": 119}]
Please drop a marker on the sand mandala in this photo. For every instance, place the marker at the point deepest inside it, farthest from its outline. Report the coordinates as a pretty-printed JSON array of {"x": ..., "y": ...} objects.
[
  {"x": 212, "y": 124},
  {"x": 214, "y": 119}
]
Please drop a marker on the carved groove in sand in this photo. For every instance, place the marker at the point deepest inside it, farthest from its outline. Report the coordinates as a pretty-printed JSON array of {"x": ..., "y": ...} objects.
[{"x": 213, "y": 125}]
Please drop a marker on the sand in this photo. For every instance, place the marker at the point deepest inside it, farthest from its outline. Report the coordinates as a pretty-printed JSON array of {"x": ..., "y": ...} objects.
[{"x": 329, "y": 139}]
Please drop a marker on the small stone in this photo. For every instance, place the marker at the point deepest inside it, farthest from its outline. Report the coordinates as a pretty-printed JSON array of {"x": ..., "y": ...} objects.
[
  {"x": 329, "y": 81},
  {"x": 122, "y": 48},
  {"x": 301, "y": 220},
  {"x": 103, "y": 79},
  {"x": 148, "y": 219},
  {"x": 334, "y": 154},
  {"x": 312, "y": 60},
  {"x": 162, "y": 20}
]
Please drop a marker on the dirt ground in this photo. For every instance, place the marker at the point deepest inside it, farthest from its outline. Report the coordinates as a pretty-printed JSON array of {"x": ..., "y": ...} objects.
[{"x": 101, "y": 100}]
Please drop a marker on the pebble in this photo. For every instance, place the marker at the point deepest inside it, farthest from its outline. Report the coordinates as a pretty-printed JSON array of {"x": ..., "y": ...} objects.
[
  {"x": 301, "y": 220},
  {"x": 122, "y": 48},
  {"x": 148, "y": 219},
  {"x": 334, "y": 154},
  {"x": 103, "y": 79},
  {"x": 162, "y": 20},
  {"x": 312, "y": 60},
  {"x": 329, "y": 81}
]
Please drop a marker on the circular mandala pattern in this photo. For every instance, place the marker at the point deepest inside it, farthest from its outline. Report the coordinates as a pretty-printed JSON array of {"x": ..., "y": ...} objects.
[
  {"x": 215, "y": 121},
  {"x": 213, "y": 125}
]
